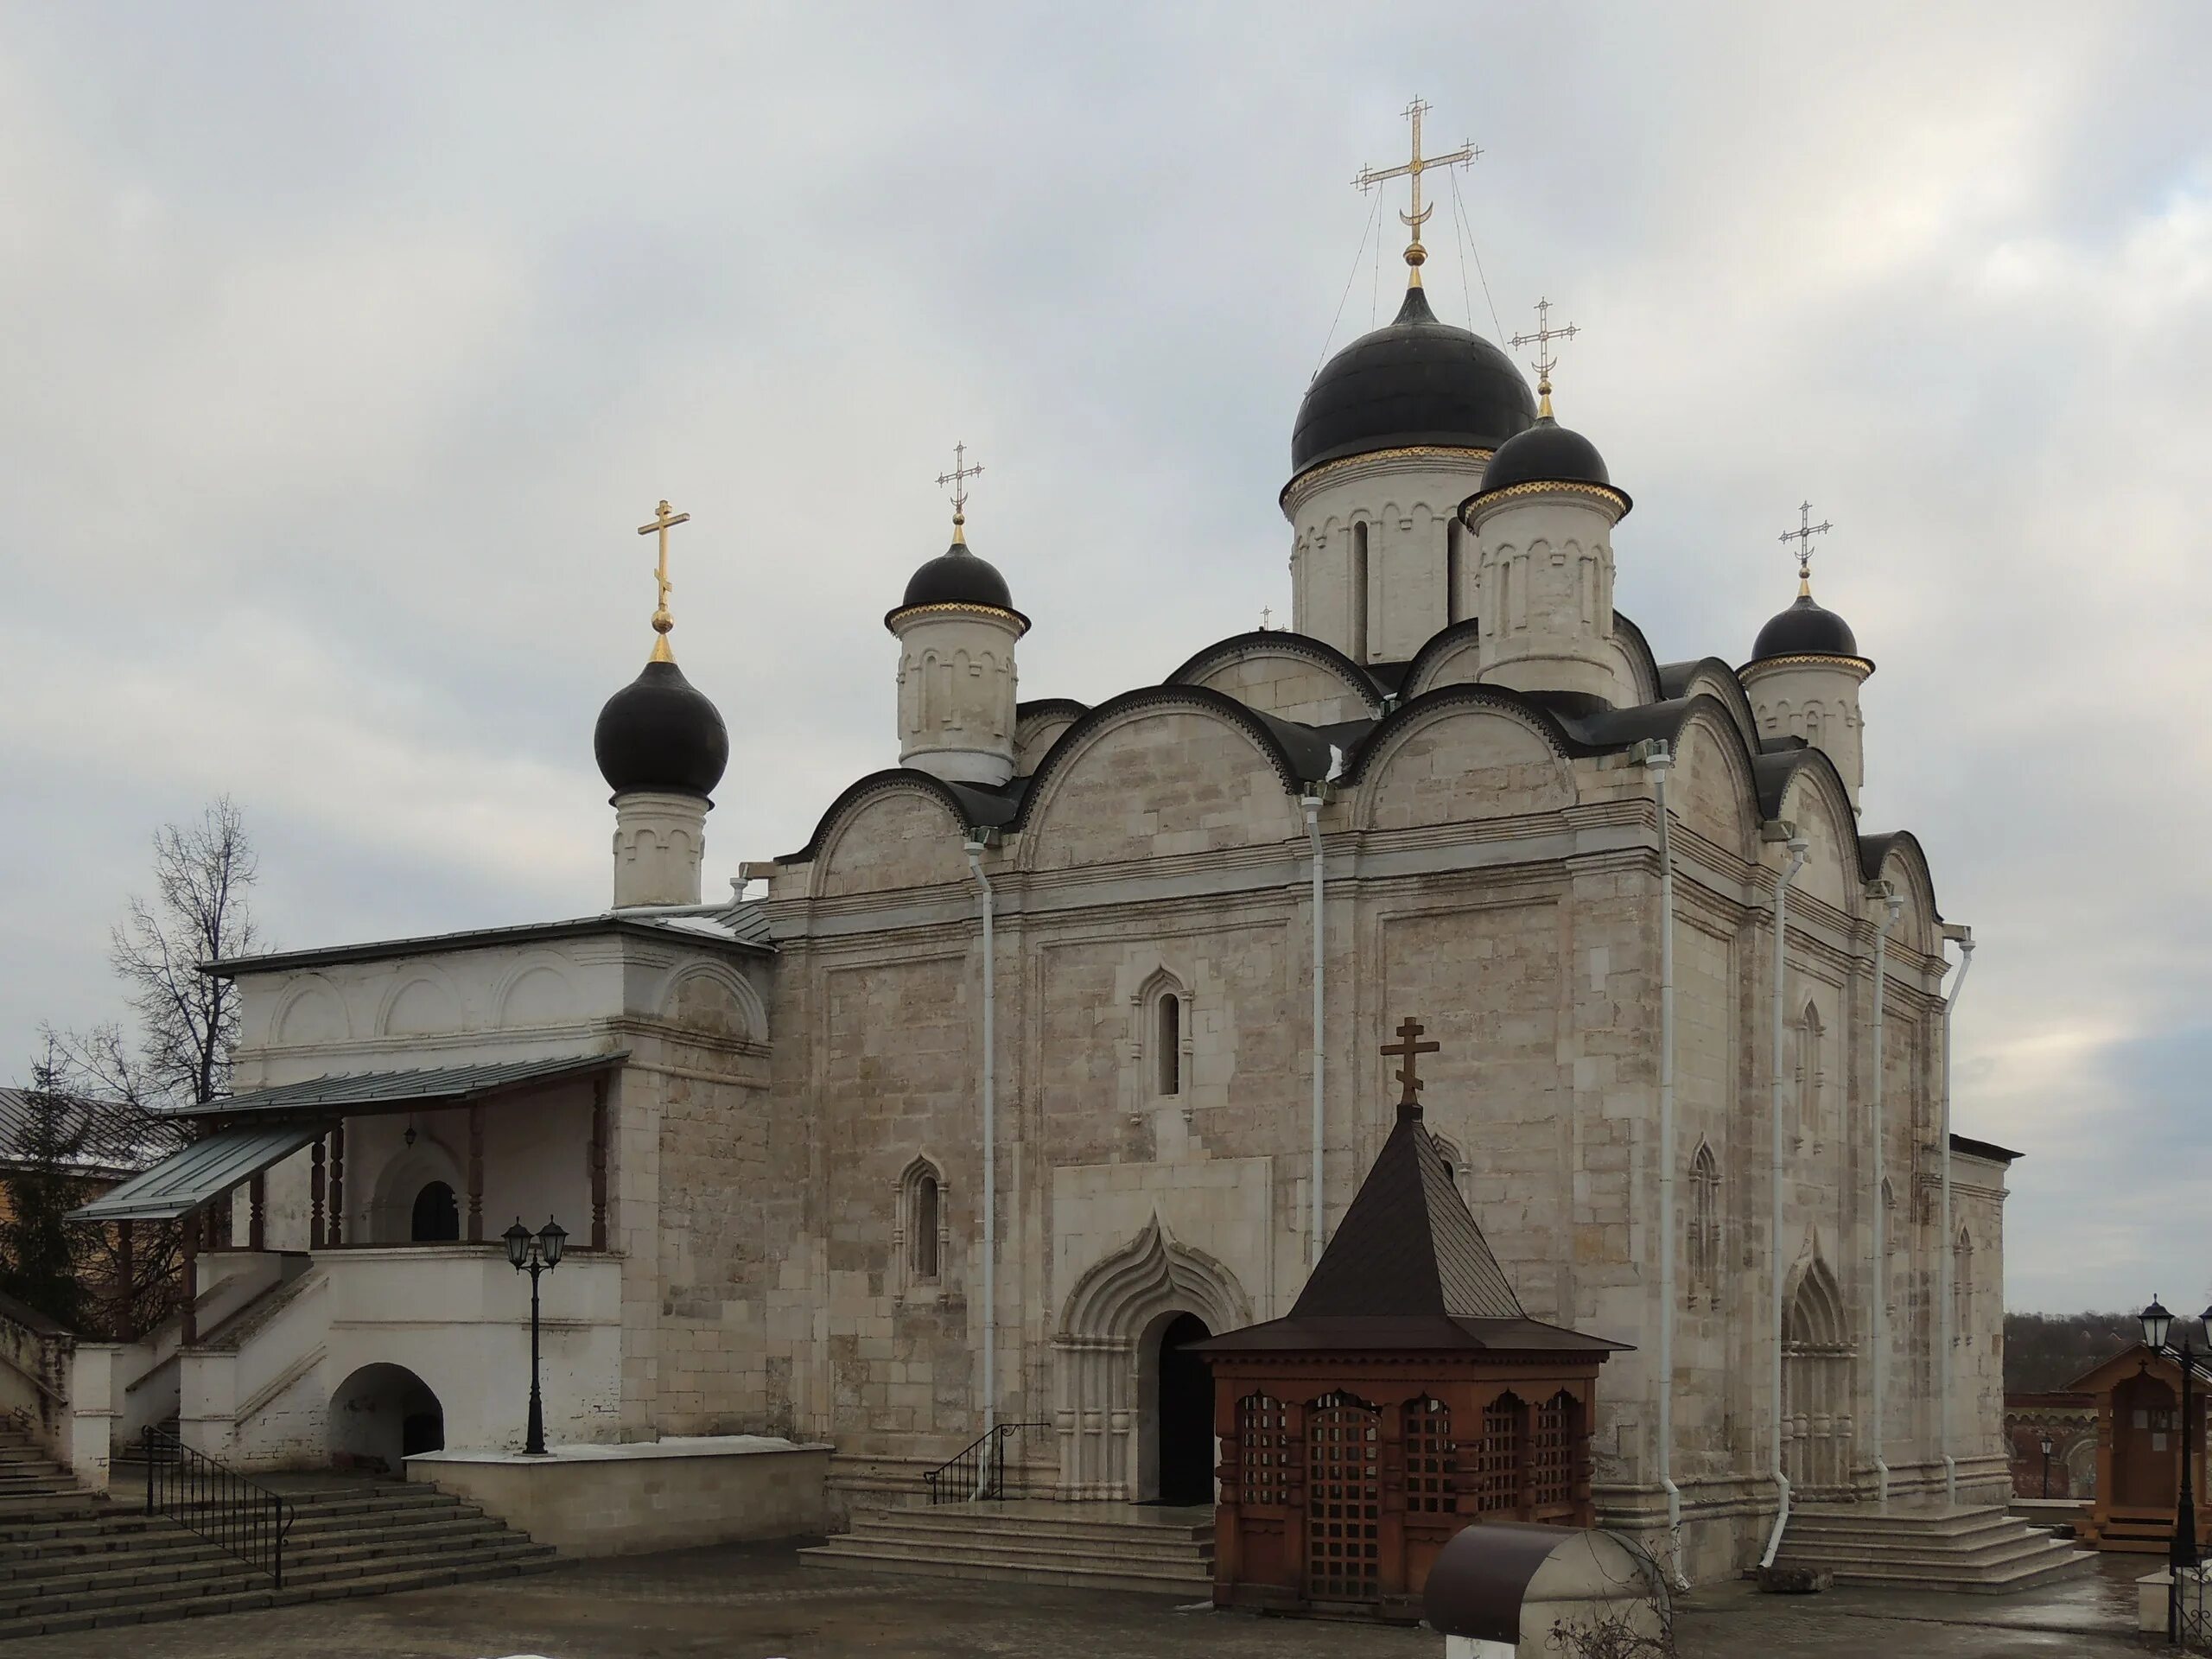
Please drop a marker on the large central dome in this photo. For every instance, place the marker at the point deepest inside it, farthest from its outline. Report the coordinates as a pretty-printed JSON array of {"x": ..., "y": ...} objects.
[{"x": 1416, "y": 382}]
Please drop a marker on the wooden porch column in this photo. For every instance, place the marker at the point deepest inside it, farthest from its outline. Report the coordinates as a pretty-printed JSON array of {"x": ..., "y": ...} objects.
[
  {"x": 257, "y": 1238},
  {"x": 598, "y": 1164},
  {"x": 338, "y": 1182},
  {"x": 315, "y": 1198},
  {"x": 476, "y": 1174},
  {"x": 124, "y": 1275},
  {"x": 191, "y": 1332}
]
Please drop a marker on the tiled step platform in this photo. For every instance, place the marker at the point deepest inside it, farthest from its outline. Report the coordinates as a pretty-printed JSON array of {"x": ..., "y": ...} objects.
[
  {"x": 1129, "y": 1547},
  {"x": 1973, "y": 1547}
]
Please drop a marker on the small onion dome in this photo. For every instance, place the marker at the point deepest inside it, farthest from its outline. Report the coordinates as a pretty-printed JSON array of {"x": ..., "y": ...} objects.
[
  {"x": 1418, "y": 382},
  {"x": 1547, "y": 453},
  {"x": 659, "y": 735},
  {"x": 1806, "y": 630},
  {"x": 957, "y": 576}
]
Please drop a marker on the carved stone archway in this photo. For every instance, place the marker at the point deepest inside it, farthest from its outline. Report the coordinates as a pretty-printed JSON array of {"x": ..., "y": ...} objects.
[
  {"x": 1817, "y": 1356},
  {"x": 1105, "y": 1351}
]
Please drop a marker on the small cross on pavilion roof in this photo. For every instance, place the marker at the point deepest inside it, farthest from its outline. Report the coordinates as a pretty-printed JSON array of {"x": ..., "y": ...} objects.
[{"x": 1409, "y": 1048}]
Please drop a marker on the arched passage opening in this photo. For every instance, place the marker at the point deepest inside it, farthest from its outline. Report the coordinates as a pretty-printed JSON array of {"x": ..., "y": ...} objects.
[
  {"x": 1181, "y": 1406},
  {"x": 380, "y": 1416}
]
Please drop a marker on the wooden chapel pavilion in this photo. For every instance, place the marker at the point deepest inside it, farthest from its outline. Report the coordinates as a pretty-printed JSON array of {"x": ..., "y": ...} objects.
[
  {"x": 2140, "y": 1441},
  {"x": 1405, "y": 1396}
]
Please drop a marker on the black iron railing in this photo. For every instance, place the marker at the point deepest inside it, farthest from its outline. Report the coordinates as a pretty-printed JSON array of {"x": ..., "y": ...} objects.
[
  {"x": 222, "y": 1505},
  {"x": 979, "y": 1472}
]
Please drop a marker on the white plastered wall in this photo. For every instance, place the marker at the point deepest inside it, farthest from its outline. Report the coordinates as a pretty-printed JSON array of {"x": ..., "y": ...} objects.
[{"x": 1406, "y": 502}]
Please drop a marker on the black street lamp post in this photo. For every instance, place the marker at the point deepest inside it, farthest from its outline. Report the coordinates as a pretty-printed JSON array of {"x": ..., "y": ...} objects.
[
  {"x": 535, "y": 1254},
  {"x": 2158, "y": 1325},
  {"x": 2046, "y": 1463}
]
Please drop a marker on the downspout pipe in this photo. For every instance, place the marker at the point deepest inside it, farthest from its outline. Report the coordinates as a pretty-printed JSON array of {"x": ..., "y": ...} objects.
[
  {"x": 974, "y": 848},
  {"x": 1964, "y": 936},
  {"x": 1658, "y": 761},
  {"x": 1798, "y": 847},
  {"x": 1311, "y": 804},
  {"x": 1891, "y": 904}
]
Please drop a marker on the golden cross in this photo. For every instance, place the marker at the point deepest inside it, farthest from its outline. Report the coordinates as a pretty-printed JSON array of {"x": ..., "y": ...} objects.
[
  {"x": 1803, "y": 536},
  {"x": 663, "y": 521},
  {"x": 958, "y": 477},
  {"x": 1546, "y": 362},
  {"x": 1267, "y": 615},
  {"x": 1407, "y": 1048},
  {"x": 1369, "y": 177}
]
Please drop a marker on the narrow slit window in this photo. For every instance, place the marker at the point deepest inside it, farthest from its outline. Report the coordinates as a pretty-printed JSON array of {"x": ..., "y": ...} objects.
[
  {"x": 925, "y": 1227},
  {"x": 1171, "y": 1043}
]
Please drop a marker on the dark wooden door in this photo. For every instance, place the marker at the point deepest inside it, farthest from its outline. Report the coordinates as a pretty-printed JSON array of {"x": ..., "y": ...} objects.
[{"x": 2145, "y": 1445}]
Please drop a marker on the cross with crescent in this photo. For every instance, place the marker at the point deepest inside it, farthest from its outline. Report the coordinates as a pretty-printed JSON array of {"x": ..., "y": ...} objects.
[
  {"x": 1369, "y": 177},
  {"x": 1546, "y": 362},
  {"x": 958, "y": 477},
  {"x": 1408, "y": 1047},
  {"x": 1803, "y": 536},
  {"x": 663, "y": 521}
]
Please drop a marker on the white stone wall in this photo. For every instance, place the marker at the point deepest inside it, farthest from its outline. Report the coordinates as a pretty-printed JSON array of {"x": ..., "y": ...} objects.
[
  {"x": 1545, "y": 593},
  {"x": 1815, "y": 698},
  {"x": 1379, "y": 562},
  {"x": 957, "y": 691}
]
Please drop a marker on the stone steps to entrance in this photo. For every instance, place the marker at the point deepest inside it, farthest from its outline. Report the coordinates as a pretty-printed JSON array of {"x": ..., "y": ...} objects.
[
  {"x": 90, "y": 1564},
  {"x": 1971, "y": 1547},
  {"x": 1131, "y": 1548}
]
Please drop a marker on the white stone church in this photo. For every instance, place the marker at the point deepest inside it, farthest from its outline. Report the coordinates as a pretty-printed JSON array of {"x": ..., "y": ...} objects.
[{"x": 1061, "y": 1035}]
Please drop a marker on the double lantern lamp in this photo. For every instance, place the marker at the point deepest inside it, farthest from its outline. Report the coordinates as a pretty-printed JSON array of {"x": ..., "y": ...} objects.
[{"x": 535, "y": 1254}]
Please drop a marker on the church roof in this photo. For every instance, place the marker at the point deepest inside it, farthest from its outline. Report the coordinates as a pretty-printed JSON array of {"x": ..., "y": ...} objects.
[
  {"x": 1407, "y": 1269},
  {"x": 1415, "y": 382},
  {"x": 740, "y": 926}
]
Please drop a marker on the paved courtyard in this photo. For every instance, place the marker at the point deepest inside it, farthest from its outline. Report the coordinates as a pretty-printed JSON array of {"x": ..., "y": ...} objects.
[{"x": 758, "y": 1603}]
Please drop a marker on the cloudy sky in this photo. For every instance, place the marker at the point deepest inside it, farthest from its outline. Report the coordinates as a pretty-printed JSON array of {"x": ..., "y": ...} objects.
[{"x": 347, "y": 344}]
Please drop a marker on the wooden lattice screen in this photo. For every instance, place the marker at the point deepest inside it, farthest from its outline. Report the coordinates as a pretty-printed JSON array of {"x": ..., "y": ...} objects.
[
  {"x": 1551, "y": 1453},
  {"x": 1264, "y": 1450},
  {"x": 1497, "y": 1466},
  {"x": 1429, "y": 1457},
  {"x": 1343, "y": 1491}
]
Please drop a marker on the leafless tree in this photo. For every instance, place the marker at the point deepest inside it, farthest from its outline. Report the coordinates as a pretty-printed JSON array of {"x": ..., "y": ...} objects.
[
  {"x": 176, "y": 1052},
  {"x": 179, "y": 1052}
]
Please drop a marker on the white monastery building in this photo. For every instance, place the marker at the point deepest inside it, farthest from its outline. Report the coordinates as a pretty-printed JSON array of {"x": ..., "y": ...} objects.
[{"x": 1059, "y": 1038}]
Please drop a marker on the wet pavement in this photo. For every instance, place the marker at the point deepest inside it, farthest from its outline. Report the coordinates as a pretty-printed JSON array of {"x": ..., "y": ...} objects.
[{"x": 757, "y": 1602}]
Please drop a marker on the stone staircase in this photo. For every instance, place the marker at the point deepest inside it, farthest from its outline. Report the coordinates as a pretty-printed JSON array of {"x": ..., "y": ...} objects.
[
  {"x": 71, "y": 1561},
  {"x": 1973, "y": 1547},
  {"x": 1124, "y": 1547}
]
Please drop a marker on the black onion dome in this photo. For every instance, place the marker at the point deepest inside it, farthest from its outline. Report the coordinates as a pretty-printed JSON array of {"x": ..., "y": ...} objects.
[
  {"x": 957, "y": 576},
  {"x": 660, "y": 733},
  {"x": 1805, "y": 630},
  {"x": 1547, "y": 453},
  {"x": 1416, "y": 382}
]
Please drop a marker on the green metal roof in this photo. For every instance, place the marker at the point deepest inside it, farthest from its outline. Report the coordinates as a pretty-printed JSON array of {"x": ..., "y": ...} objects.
[
  {"x": 443, "y": 1085},
  {"x": 202, "y": 1172}
]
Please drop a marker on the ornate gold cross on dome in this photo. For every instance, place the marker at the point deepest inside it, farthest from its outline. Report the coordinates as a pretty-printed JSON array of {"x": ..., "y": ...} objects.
[
  {"x": 1803, "y": 536},
  {"x": 958, "y": 477},
  {"x": 1545, "y": 362},
  {"x": 1371, "y": 176},
  {"x": 1408, "y": 1047},
  {"x": 663, "y": 521}
]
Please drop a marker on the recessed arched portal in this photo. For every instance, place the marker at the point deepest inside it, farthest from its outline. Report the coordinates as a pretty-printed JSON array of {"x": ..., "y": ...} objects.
[
  {"x": 1182, "y": 1405},
  {"x": 437, "y": 1214},
  {"x": 382, "y": 1415}
]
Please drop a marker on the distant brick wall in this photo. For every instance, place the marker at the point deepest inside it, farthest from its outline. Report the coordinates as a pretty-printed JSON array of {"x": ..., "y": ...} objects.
[{"x": 2070, "y": 1419}]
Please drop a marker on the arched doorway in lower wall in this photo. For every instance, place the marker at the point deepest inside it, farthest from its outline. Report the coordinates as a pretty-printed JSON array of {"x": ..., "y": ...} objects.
[
  {"x": 380, "y": 1416},
  {"x": 1183, "y": 1401}
]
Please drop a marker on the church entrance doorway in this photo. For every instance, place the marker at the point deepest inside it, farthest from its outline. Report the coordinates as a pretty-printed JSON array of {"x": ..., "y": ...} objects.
[
  {"x": 1183, "y": 1405},
  {"x": 1816, "y": 1356},
  {"x": 380, "y": 1416}
]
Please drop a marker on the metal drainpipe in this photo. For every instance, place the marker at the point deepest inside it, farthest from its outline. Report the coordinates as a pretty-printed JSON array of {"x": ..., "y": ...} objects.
[
  {"x": 1891, "y": 904},
  {"x": 1798, "y": 847},
  {"x": 975, "y": 850},
  {"x": 1313, "y": 805},
  {"x": 1965, "y": 937},
  {"x": 1658, "y": 761}
]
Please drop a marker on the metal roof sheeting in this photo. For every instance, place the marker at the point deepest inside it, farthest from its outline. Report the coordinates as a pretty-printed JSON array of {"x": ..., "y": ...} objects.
[
  {"x": 452, "y": 1084},
  {"x": 200, "y": 1174}
]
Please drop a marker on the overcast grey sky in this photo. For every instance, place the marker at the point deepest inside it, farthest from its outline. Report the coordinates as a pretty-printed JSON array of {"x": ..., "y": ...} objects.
[{"x": 346, "y": 345}]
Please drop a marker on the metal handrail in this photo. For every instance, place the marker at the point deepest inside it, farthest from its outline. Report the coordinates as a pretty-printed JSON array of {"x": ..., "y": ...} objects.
[
  {"x": 230, "y": 1511},
  {"x": 978, "y": 1474}
]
